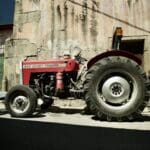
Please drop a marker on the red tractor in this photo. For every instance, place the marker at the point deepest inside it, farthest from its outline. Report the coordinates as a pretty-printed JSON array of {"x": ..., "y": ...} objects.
[{"x": 113, "y": 84}]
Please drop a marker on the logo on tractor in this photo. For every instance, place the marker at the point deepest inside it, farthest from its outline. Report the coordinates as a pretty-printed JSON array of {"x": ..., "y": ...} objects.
[{"x": 30, "y": 66}]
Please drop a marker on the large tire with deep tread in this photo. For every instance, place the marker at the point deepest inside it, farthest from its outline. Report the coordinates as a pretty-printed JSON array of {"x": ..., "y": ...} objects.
[
  {"x": 116, "y": 89},
  {"x": 21, "y": 101}
]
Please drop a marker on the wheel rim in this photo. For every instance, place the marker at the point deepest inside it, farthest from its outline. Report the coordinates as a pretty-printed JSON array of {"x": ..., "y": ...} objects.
[
  {"x": 20, "y": 104},
  {"x": 116, "y": 90},
  {"x": 127, "y": 96}
]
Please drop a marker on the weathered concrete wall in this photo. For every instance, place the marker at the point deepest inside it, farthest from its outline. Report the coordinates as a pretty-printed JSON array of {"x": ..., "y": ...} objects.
[
  {"x": 56, "y": 25},
  {"x": 5, "y": 33}
]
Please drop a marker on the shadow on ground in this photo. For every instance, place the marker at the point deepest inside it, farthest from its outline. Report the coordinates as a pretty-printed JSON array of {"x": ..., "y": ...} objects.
[
  {"x": 55, "y": 109},
  {"x": 3, "y": 111},
  {"x": 28, "y": 135}
]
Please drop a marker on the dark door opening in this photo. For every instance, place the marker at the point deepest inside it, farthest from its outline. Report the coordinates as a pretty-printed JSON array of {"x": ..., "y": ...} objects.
[
  {"x": 1, "y": 69},
  {"x": 133, "y": 46}
]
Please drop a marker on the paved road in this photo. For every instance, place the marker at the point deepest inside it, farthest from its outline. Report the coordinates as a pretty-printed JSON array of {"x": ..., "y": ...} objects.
[{"x": 69, "y": 112}]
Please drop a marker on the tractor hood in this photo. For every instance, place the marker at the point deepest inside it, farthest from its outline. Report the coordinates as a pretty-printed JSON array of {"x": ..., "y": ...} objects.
[{"x": 52, "y": 65}]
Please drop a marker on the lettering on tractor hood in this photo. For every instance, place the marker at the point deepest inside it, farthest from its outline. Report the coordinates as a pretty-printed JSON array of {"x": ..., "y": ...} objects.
[{"x": 30, "y": 66}]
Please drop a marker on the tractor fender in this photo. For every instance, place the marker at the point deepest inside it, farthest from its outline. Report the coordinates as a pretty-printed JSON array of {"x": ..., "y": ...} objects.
[{"x": 113, "y": 53}]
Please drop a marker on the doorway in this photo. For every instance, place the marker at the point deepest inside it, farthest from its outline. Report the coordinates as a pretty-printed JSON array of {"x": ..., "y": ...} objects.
[{"x": 135, "y": 46}]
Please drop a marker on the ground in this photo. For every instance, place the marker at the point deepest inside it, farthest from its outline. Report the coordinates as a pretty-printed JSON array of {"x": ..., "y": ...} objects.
[{"x": 70, "y": 112}]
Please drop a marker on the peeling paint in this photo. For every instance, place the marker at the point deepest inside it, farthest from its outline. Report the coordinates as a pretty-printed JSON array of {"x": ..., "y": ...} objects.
[
  {"x": 84, "y": 10},
  {"x": 52, "y": 23},
  {"x": 93, "y": 28},
  {"x": 65, "y": 21},
  {"x": 129, "y": 2},
  {"x": 59, "y": 13},
  {"x": 72, "y": 16},
  {"x": 84, "y": 22}
]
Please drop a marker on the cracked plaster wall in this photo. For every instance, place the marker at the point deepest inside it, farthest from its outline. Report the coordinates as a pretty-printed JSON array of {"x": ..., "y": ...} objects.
[{"x": 57, "y": 25}]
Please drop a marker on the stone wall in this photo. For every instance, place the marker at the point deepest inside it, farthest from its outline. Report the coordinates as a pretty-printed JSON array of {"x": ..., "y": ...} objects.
[
  {"x": 5, "y": 33},
  {"x": 56, "y": 25}
]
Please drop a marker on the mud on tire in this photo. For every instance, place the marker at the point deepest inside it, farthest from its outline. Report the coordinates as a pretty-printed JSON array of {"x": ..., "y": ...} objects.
[{"x": 116, "y": 89}]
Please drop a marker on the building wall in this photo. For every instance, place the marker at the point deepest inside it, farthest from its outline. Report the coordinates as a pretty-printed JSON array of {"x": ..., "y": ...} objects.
[
  {"x": 46, "y": 28},
  {"x": 5, "y": 33}
]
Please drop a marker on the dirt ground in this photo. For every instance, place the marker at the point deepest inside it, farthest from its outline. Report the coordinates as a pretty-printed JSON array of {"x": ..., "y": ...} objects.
[{"x": 70, "y": 112}]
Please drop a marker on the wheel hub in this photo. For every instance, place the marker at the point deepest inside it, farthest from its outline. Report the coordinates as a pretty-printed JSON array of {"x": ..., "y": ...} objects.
[
  {"x": 116, "y": 90},
  {"x": 20, "y": 104}
]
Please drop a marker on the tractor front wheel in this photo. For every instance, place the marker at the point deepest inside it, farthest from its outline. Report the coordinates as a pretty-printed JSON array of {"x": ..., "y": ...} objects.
[{"x": 21, "y": 101}]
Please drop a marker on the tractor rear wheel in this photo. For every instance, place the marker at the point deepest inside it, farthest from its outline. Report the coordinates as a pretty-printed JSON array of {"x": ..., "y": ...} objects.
[
  {"x": 116, "y": 89},
  {"x": 21, "y": 101}
]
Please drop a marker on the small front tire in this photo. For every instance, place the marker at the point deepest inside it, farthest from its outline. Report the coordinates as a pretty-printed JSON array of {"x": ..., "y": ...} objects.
[{"x": 21, "y": 101}]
